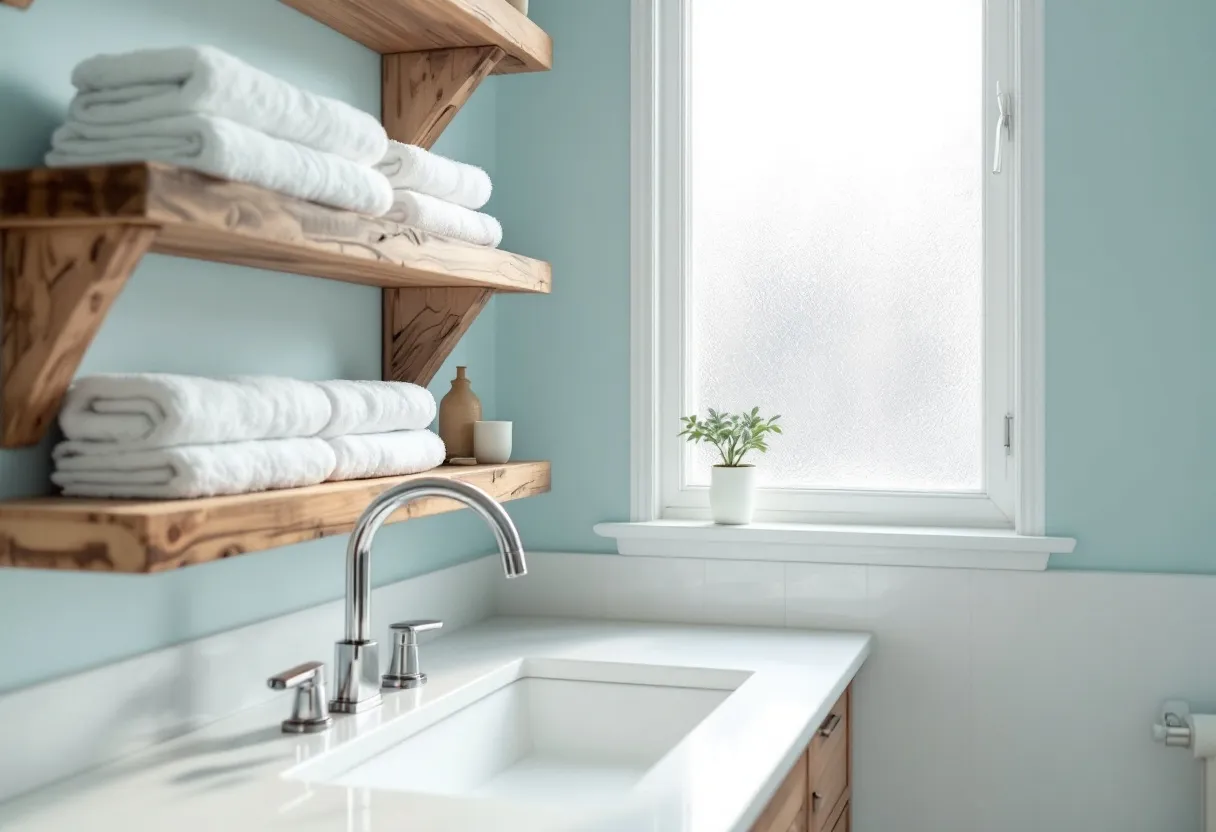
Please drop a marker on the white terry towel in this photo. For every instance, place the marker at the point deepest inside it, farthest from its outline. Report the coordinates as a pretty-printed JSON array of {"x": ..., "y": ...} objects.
[
  {"x": 223, "y": 148},
  {"x": 105, "y": 413},
  {"x": 385, "y": 454},
  {"x": 194, "y": 470},
  {"x": 412, "y": 168},
  {"x": 438, "y": 217},
  {"x": 155, "y": 83},
  {"x": 376, "y": 407}
]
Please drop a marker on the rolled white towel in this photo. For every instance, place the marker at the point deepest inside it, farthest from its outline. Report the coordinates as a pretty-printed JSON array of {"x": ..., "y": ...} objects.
[
  {"x": 194, "y": 470},
  {"x": 226, "y": 149},
  {"x": 376, "y": 407},
  {"x": 385, "y": 454},
  {"x": 438, "y": 217},
  {"x": 104, "y": 413},
  {"x": 412, "y": 168},
  {"x": 155, "y": 83}
]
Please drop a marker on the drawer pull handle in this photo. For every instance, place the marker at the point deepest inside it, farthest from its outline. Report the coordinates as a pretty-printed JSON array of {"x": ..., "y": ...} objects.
[
  {"x": 816, "y": 799},
  {"x": 829, "y": 726}
]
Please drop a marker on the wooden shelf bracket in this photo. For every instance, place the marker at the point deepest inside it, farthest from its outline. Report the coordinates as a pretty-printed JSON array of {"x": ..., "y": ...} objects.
[
  {"x": 58, "y": 285},
  {"x": 423, "y": 91}
]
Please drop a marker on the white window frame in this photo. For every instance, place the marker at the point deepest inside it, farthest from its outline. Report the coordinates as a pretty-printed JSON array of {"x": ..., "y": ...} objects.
[{"x": 1013, "y": 302}]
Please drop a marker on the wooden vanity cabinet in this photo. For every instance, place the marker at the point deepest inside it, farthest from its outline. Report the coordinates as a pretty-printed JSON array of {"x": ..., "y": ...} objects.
[{"x": 814, "y": 797}]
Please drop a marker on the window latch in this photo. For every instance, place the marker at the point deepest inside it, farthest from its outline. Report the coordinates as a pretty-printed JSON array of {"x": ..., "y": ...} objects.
[{"x": 1004, "y": 124}]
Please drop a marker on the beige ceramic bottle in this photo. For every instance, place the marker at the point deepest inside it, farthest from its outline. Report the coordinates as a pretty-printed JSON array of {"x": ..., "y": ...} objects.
[{"x": 458, "y": 410}]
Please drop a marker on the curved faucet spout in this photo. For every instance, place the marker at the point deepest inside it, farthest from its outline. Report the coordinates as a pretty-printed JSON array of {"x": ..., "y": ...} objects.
[
  {"x": 359, "y": 550},
  {"x": 357, "y": 659}
]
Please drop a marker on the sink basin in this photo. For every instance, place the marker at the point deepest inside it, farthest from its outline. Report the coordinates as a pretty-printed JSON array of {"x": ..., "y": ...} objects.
[{"x": 544, "y": 730}]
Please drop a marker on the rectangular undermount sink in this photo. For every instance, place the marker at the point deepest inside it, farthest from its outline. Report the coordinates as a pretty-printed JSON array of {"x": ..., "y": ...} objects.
[{"x": 551, "y": 730}]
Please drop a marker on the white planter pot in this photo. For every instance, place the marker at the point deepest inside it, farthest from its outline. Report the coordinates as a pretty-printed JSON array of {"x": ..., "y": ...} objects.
[{"x": 732, "y": 494}]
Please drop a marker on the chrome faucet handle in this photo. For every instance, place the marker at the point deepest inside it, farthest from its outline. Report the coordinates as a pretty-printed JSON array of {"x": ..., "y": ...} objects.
[
  {"x": 404, "y": 670},
  {"x": 309, "y": 714}
]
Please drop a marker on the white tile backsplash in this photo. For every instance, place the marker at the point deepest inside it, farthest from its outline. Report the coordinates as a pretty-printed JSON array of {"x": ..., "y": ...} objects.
[
  {"x": 993, "y": 701},
  {"x": 745, "y": 592},
  {"x": 655, "y": 589},
  {"x": 833, "y": 596},
  {"x": 46, "y": 735}
]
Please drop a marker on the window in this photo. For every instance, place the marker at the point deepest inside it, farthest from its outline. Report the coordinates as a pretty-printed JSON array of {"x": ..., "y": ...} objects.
[{"x": 822, "y": 228}]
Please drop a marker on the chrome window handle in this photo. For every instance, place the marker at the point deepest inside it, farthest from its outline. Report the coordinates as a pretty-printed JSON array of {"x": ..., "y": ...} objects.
[
  {"x": 309, "y": 712},
  {"x": 1004, "y": 125}
]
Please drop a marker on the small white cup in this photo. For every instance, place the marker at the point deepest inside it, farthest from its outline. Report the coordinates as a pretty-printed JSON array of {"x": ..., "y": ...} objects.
[{"x": 492, "y": 442}]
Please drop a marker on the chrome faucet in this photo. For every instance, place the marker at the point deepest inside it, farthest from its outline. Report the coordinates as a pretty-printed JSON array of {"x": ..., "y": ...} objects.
[{"x": 357, "y": 664}]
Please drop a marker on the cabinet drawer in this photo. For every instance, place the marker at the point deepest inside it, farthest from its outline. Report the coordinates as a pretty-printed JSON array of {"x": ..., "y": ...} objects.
[
  {"x": 828, "y": 769},
  {"x": 788, "y": 810},
  {"x": 842, "y": 822},
  {"x": 833, "y": 732}
]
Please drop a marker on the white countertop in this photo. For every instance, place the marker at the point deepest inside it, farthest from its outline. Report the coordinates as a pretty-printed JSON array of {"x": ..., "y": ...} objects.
[{"x": 229, "y": 775}]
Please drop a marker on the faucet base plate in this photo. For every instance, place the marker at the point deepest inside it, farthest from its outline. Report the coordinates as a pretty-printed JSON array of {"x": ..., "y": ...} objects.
[
  {"x": 342, "y": 707},
  {"x": 402, "y": 681},
  {"x": 307, "y": 726}
]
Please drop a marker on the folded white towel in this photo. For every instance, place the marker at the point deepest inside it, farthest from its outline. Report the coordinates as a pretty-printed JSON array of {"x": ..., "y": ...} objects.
[
  {"x": 228, "y": 150},
  {"x": 376, "y": 407},
  {"x": 444, "y": 218},
  {"x": 413, "y": 168},
  {"x": 385, "y": 454},
  {"x": 155, "y": 83},
  {"x": 194, "y": 470},
  {"x": 105, "y": 413}
]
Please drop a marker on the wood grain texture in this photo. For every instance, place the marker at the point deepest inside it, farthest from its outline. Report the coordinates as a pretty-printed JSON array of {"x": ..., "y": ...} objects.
[
  {"x": 390, "y": 26},
  {"x": 21, "y": 4},
  {"x": 212, "y": 219},
  {"x": 57, "y": 287},
  {"x": 844, "y": 819},
  {"x": 422, "y": 91},
  {"x": 788, "y": 804},
  {"x": 422, "y": 326},
  {"x": 157, "y": 535}
]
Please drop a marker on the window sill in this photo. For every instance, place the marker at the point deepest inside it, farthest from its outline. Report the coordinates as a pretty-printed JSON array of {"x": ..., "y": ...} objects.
[{"x": 805, "y": 543}]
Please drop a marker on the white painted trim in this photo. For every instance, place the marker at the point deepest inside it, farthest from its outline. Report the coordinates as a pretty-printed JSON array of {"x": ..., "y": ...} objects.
[
  {"x": 643, "y": 212},
  {"x": 653, "y": 24},
  {"x": 1030, "y": 373},
  {"x": 805, "y": 543}
]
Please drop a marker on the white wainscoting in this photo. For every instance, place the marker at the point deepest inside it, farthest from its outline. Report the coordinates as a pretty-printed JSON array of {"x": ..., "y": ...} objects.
[
  {"x": 993, "y": 702},
  {"x": 60, "y": 728}
]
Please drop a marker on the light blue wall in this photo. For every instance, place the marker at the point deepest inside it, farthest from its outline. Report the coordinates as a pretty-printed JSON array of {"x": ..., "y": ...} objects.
[
  {"x": 1131, "y": 288},
  {"x": 1131, "y": 282},
  {"x": 563, "y": 360},
  {"x": 187, "y": 316}
]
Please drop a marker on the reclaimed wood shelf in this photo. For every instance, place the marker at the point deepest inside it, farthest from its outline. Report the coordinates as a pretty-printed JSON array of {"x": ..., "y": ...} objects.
[
  {"x": 392, "y": 26},
  {"x": 137, "y": 536},
  {"x": 72, "y": 237}
]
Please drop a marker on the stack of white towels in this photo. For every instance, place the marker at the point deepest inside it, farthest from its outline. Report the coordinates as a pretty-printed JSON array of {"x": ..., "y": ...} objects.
[
  {"x": 201, "y": 108},
  {"x": 173, "y": 436}
]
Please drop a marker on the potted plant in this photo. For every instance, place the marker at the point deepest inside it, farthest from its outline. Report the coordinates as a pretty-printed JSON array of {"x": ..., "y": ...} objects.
[{"x": 732, "y": 488}]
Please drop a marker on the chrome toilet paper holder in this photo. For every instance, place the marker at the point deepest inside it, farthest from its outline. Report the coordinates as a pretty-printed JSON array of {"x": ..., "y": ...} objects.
[{"x": 1173, "y": 726}]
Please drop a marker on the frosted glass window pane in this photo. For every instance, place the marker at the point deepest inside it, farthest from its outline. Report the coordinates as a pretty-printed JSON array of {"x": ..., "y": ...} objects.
[{"x": 836, "y": 177}]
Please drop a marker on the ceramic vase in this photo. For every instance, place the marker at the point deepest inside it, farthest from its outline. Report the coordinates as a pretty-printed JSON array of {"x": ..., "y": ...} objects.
[
  {"x": 732, "y": 494},
  {"x": 458, "y": 410}
]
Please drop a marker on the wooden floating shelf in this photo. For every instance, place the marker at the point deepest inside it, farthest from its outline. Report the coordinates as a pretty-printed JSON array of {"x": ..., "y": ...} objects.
[
  {"x": 137, "y": 536},
  {"x": 392, "y": 26},
  {"x": 204, "y": 218},
  {"x": 72, "y": 237}
]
